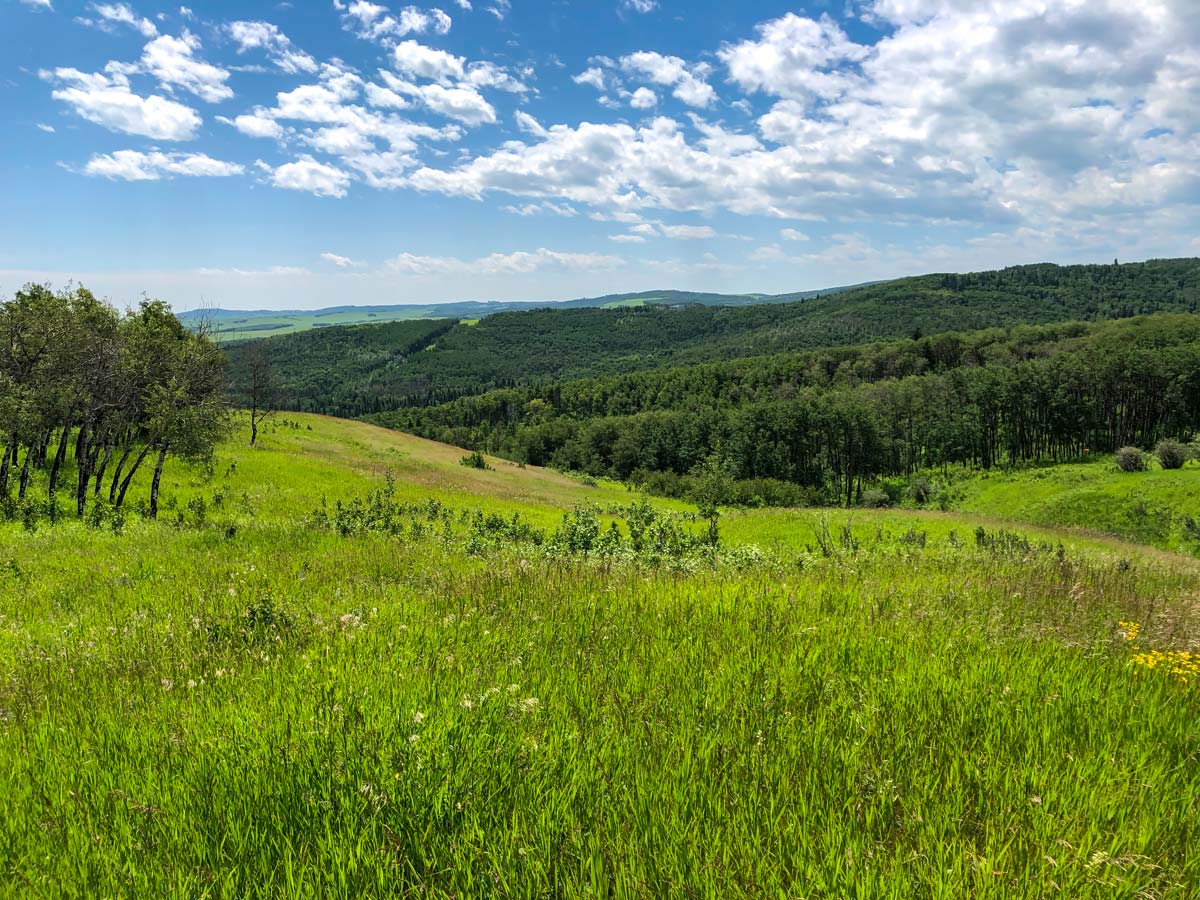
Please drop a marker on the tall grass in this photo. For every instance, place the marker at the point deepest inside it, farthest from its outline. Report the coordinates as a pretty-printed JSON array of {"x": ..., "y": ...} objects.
[{"x": 284, "y": 711}]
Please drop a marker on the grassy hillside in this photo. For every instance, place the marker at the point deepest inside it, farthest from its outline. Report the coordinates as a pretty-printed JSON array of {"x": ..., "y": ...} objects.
[
  {"x": 1158, "y": 507},
  {"x": 547, "y": 345},
  {"x": 404, "y": 699}
]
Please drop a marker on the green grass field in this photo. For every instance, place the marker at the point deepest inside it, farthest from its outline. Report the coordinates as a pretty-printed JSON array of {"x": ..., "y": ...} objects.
[
  {"x": 1158, "y": 507},
  {"x": 864, "y": 705}
]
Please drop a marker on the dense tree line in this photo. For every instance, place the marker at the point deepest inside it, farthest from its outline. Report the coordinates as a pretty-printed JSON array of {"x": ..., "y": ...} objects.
[
  {"x": 340, "y": 370},
  {"x": 92, "y": 393},
  {"x": 368, "y": 369},
  {"x": 834, "y": 420}
]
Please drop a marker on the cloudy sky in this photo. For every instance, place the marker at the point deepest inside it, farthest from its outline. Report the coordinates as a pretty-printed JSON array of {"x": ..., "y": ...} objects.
[{"x": 312, "y": 153}]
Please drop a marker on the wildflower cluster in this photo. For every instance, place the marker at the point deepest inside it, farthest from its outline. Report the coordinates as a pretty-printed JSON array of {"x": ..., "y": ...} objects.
[
  {"x": 1180, "y": 664},
  {"x": 1130, "y": 630}
]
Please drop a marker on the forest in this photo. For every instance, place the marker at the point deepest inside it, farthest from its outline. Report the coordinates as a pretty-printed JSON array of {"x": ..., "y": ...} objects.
[
  {"x": 834, "y": 421},
  {"x": 97, "y": 392},
  {"x": 370, "y": 369}
]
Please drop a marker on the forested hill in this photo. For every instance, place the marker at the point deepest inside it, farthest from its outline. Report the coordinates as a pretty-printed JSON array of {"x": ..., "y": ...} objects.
[
  {"x": 243, "y": 324},
  {"x": 361, "y": 370}
]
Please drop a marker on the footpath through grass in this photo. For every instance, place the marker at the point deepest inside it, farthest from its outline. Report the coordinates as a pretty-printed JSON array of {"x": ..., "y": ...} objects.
[{"x": 254, "y": 706}]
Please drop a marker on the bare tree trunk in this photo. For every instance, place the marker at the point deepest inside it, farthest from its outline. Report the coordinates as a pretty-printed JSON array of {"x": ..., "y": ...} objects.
[
  {"x": 8, "y": 453},
  {"x": 116, "y": 479},
  {"x": 24, "y": 475},
  {"x": 129, "y": 475},
  {"x": 82, "y": 460},
  {"x": 59, "y": 456},
  {"x": 108, "y": 449},
  {"x": 253, "y": 425},
  {"x": 158, "y": 467}
]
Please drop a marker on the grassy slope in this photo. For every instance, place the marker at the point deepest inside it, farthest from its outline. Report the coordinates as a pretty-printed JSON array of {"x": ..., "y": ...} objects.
[
  {"x": 287, "y": 712},
  {"x": 1144, "y": 507}
]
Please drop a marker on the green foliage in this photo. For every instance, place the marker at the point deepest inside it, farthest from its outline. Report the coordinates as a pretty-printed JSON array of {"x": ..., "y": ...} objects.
[
  {"x": 1171, "y": 454},
  {"x": 343, "y": 705},
  {"x": 1130, "y": 459},
  {"x": 372, "y": 369},
  {"x": 475, "y": 460},
  {"x": 836, "y": 421}
]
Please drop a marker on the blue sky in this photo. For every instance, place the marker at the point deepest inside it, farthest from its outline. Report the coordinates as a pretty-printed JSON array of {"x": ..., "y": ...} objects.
[{"x": 306, "y": 154}]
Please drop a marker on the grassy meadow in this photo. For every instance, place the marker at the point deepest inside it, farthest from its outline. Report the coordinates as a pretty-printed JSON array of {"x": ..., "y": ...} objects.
[{"x": 243, "y": 700}]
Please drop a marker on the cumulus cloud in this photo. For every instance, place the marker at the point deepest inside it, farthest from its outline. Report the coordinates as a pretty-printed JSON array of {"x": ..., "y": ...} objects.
[
  {"x": 107, "y": 100},
  {"x": 255, "y": 125},
  {"x": 132, "y": 165},
  {"x": 791, "y": 234},
  {"x": 643, "y": 98},
  {"x": 172, "y": 61},
  {"x": 307, "y": 174},
  {"x": 277, "y": 45},
  {"x": 639, "y": 6},
  {"x": 984, "y": 111},
  {"x": 688, "y": 81},
  {"x": 374, "y": 22}
]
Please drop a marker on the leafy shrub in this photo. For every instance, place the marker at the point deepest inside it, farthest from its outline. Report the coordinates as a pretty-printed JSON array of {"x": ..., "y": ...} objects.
[
  {"x": 1130, "y": 459},
  {"x": 1171, "y": 454},
  {"x": 921, "y": 490},
  {"x": 876, "y": 499},
  {"x": 474, "y": 460}
]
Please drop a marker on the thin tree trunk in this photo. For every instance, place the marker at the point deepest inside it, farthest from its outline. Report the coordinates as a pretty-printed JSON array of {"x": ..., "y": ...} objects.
[
  {"x": 108, "y": 449},
  {"x": 82, "y": 460},
  {"x": 116, "y": 479},
  {"x": 59, "y": 456},
  {"x": 8, "y": 452},
  {"x": 158, "y": 467},
  {"x": 24, "y": 475},
  {"x": 129, "y": 475}
]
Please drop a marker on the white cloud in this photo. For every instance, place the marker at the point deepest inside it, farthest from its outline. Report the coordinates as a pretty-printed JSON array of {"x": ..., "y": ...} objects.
[
  {"x": 528, "y": 124},
  {"x": 108, "y": 102},
  {"x": 277, "y": 45},
  {"x": 688, "y": 81},
  {"x": 307, "y": 174},
  {"x": 643, "y": 98},
  {"x": 537, "y": 209},
  {"x": 131, "y": 165},
  {"x": 521, "y": 262},
  {"x": 593, "y": 76},
  {"x": 38, "y": 4},
  {"x": 374, "y": 22},
  {"x": 255, "y": 125},
  {"x": 421, "y": 61},
  {"x": 627, "y": 238},
  {"x": 640, "y": 6},
  {"x": 342, "y": 262},
  {"x": 500, "y": 9},
  {"x": 791, "y": 234},
  {"x": 49, "y": 129},
  {"x": 687, "y": 232},
  {"x": 110, "y": 14},
  {"x": 172, "y": 61}
]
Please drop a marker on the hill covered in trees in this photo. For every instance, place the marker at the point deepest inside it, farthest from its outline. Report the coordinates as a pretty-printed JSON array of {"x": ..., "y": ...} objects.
[
  {"x": 362, "y": 370},
  {"x": 241, "y": 324},
  {"x": 833, "y": 421}
]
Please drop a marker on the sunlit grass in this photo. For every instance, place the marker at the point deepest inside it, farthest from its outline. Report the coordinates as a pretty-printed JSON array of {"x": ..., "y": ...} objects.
[{"x": 276, "y": 710}]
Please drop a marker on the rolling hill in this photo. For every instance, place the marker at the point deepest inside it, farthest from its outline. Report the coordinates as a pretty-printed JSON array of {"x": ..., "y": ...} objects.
[
  {"x": 359, "y": 370},
  {"x": 237, "y": 325}
]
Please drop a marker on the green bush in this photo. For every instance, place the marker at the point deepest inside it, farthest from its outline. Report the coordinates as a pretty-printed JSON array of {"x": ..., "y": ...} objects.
[
  {"x": 1130, "y": 459},
  {"x": 1171, "y": 454},
  {"x": 474, "y": 460},
  {"x": 876, "y": 499}
]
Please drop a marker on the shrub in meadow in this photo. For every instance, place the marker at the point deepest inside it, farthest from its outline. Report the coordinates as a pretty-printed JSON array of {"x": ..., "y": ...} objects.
[
  {"x": 1171, "y": 454},
  {"x": 1130, "y": 459}
]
